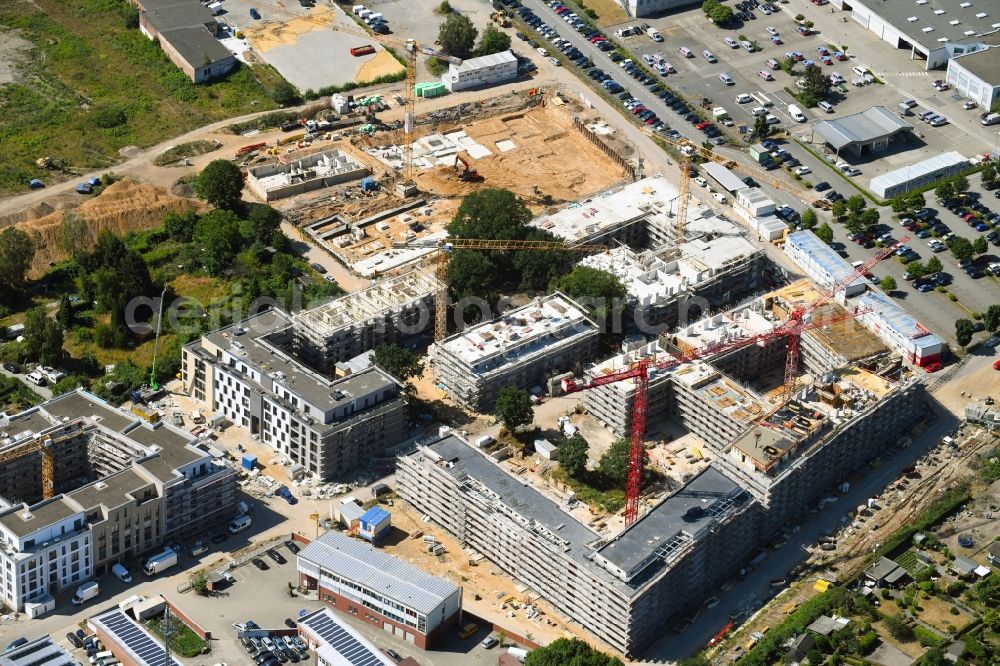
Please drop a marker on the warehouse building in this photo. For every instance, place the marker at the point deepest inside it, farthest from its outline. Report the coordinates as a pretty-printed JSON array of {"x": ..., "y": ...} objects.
[
  {"x": 663, "y": 283},
  {"x": 187, "y": 32},
  {"x": 325, "y": 169},
  {"x": 823, "y": 266},
  {"x": 480, "y": 72},
  {"x": 129, "y": 641},
  {"x": 915, "y": 176},
  {"x": 623, "y": 587},
  {"x": 933, "y": 32},
  {"x": 868, "y": 131},
  {"x": 42, "y": 651},
  {"x": 248, "y": 373},
  {"x": 137, "y": 485},
  {"x": 399, "y": 310},
  {"x": 379, "y": 589},
  {"x": 524, "y": 348},
  {"x": 976, "y": 74},
  {"x": 644, "y": 8}
]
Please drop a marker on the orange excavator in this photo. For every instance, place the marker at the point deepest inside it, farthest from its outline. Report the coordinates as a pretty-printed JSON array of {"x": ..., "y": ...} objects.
[{"x": 468, "y": 175}]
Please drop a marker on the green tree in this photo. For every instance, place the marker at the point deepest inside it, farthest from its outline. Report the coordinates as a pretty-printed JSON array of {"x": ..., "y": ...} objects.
[
  {"x": 809, "y": 219},
  {"x": 868, "y": 219},
  {"x": 991, "y": 618},
  {"x": 855, "y": 204},
  {"x": 963, "y": 332},
  {"x": 398, "y": 362},
  {"x": 824, "y": 233},
  {"x": 898, "y": 204},
  {"x": 472, "y": 274},
  {"x": 934, "y": 266},
  {"x": 980, "y": 246},
  {"x": 888, "y": 283},
  {"x": 72, "y": 235},
  {"x": 493, "y": 40},
  {"x": 444, "y": 8},
  {"x": 457, "y": 36},
  {"x": 989, "y": 176},
  {"x": 569, "y": 652},
  {"x": 285, "y": 94},
  {"x": 839, "y": 210},
  {"x": 944, "y": 190},
  {"x": 220, "y": 183},
  {"x": 65, "y": 315},
  {"x": 788, "y": 64},
  {"x": 960, "y": 184},
  {"x": 991, "y": 318},
  {"x": 513, "y": 408},
  {"x": 537, "y": 269},
  {"x": 915, "y": 269},
  {"x": 961, "y": 248},
  {"x": 898, "y": 628},
  {"x": 44, "y": 337},
  {"x": 815, "y": 82},
  {"x": 67, "y": 384},
  {"x": 491, "y": 213},
  {"x": 180, "y": 226},
  {"x": 761, "y": 128},
  {"x": 261, "y": 223},
  {"x": 613, "y": 465},
  {"x": 915, "y": 200},
  {"x": 717, "y": 13},
  {"x": 199, "y": 583},
  {"x": 17, "y": 250},
  {"x": 218, "y": 234},
  {"x": 573, "y": 455},
  {"x": 600, "y": 292}
]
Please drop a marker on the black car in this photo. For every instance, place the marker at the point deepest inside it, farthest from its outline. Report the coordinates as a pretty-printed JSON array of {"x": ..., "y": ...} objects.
[
  {"x": 821, "y": 185},
  {"x": 292, "y": 546},
  {"x": 318, "y": 267},
  {"x": 220, "y": 537},
  {"x": 260, "y": 564},
  {"x": 276, "y": 556},
  {"x": 395, "y": 655},
  {"x": 290, "y": 623},
  {"x": 74, "y": 640},
  {"x": 12, "y": 368}
]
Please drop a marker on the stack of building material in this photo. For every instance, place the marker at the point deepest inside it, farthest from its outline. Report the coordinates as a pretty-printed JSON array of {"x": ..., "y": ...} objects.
[{"x": 432, "y": 89}]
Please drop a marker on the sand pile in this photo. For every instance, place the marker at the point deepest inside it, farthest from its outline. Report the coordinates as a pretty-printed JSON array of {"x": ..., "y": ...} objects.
[{"x": 122, "y": 208}]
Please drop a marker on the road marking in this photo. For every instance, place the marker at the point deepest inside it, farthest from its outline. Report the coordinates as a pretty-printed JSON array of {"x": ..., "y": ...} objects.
[{"x": 969, "y": 133}]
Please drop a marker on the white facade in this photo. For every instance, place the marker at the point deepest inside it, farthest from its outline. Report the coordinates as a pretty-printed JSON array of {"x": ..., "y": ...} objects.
[
  {"x": 924, "y": 172},
  {"x": 642, "y": 8},
  {"x": 966, "y": 74},
  {"x": 483, "y": 71},
  {"x": 49, "y": 560}
]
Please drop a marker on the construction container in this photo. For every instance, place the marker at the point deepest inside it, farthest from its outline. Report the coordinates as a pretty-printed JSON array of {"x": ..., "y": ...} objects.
[
  {"x": 368, "y": 184},
  {"x": 249, "y": 462}
]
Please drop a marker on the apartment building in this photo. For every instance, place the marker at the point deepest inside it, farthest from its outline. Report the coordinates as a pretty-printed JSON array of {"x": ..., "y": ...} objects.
[
  {"x": 523, "y": 348},
  {"x": 248, "y": 373},
  {"x": 380, "y": 589},
  {"x": 138, "y": 484},
  {"x": 397, "y": 310},
  {"x": 623, "y": 587}
]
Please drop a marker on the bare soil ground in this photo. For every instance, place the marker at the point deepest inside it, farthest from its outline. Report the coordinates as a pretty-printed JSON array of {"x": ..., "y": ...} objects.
[
  {"x": 13, "y": 50},
  {"x": 383, "y": 64}
]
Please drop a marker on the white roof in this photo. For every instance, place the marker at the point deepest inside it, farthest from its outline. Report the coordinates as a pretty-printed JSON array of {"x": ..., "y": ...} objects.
[
  {"x": 915, "y": 171},
  {"x": 389, "y": 576},
  {"x": 491, "y": 60},
  {"x": 724, "y": 176}
]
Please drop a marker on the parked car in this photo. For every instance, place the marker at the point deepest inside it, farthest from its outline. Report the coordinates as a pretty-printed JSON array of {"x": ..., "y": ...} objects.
[{"x": 260, "y": 564}]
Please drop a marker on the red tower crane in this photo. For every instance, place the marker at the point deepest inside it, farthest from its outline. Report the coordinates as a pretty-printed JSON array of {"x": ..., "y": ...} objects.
[{"x": 793, "y": 327}]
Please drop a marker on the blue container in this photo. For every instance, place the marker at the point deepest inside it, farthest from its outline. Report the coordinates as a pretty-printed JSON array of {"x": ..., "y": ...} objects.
[{"x": 249, "y": 461}]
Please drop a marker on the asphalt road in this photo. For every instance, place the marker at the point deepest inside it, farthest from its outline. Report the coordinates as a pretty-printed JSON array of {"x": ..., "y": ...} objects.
[{"x": 43, "y": 391}]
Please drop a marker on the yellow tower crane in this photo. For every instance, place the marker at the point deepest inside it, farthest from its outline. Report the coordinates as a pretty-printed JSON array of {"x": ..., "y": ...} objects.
[{"x": 35, "y": 445}]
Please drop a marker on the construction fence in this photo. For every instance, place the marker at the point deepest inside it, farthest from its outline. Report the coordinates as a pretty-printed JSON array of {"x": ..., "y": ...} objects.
[{"x": 626, "y": 166}]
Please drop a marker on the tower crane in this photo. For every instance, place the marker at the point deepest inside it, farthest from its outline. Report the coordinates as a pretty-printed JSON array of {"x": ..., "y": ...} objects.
[
  {"x": 410, "y": 48},
  {"x": 444, "y": 247},
  {"x": 792, "y": 328},
  {"x": 37, "y": 444}
]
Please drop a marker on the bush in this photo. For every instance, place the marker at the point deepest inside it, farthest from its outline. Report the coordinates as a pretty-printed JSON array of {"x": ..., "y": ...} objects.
[
  {"x": 110, "y": 116},
  {"x": 952, "y": 297},
  {"x": 926, "y": 637}
]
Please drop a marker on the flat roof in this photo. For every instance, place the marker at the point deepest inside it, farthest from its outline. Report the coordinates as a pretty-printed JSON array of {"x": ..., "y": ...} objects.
[
  {"x": 23, "y": 522},
  {"x": 171, "y": 442},
  {"x": 196, "y": 44},
  {"x": 983, "y": 64},
  {"x": 508, "y": 340},
  {"x": 131, "y": 638},
  {"x": 491, "y": 60},
  {"x": 866, "y": 126},
  {"x": 77, "y": 404},
  {"x": 931, "y": 24},
  {"x": 821, "y": 254},
  {"x": 379, "y": 571},
  {"x": 893, "y": 316},
  {"x": 110, "y": 491},
  {"x": 917, "y": 170},
  {"x": 338, "y": 643},
  {"x": 42, "y": 651},
  {"x": 764, "y": 446},
  {"x": 724, "y": 176}
]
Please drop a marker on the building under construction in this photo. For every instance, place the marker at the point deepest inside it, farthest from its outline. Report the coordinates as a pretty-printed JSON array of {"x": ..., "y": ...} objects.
[
  {"x": 86, "y": 486},
  {"x": 623, "y": 587},
  {"x": 396, "y": 310}
]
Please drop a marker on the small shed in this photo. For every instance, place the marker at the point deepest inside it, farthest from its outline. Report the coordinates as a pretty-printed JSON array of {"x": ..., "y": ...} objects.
[
  {"x": 826, "y": 625},
  {"x": 918, "y": 539},
  {"x": 374, "y": 524},
  {"x": 350, "y": 513},
  {"x": 962, "y": 567},
  {"x": 545, "y": 448},
  {"x": 380, "y": 489},
  {"x": 368, "y": 184},
  {"x": 249, "y": 462}
]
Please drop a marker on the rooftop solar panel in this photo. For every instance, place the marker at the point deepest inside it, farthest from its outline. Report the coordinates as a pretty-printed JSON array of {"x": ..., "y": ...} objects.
[
  {"x": 337, "y": 637},
  {"x": 134, "y": 638}
]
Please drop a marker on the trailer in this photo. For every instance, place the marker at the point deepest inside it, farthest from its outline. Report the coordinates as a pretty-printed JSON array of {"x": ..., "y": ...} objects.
[
  {"x": 358, "y": 51},
  {"x": 250, "y": 148},
  {"x": 160, "y": 562}
]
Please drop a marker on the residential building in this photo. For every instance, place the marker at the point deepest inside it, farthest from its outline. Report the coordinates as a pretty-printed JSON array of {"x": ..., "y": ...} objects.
[
  {"x": 187, "y": 32},
  {"x": 137, "y": 485},
  {"x": 525, "y": 347},
  {"x": 41, "y": 651},
  {"x": 976, "y": 74},
  {"x": 623, "y": 587},
  {"x": 917, "y": 175},
  {"x": 379, "y": 589},
  {"x": 480, "y": 72},
  {"x": 396, "y": 309},
  {"x": 868, "y": 131},
  {"x": 280, "y": 180},
  {"x": 337, "y": 643},
  {"x": 247, "y": 372},
  {"x": 933, "y": 32}
]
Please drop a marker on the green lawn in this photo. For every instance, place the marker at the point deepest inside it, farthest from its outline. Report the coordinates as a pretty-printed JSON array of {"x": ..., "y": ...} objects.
[
  {"x": 184, "y": 641},
  {"x": 91, "y": 86}
]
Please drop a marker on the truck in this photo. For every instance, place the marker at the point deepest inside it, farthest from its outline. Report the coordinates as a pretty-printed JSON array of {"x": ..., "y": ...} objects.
[
  {"x": 654, "y": 34},
  {"x": 160, "y": 562},
  {"x": 86, "y": 592},
  {"x": 991, "y": 119}
]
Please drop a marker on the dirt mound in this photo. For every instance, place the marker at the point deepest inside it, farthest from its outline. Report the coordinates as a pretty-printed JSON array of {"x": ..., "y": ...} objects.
[{"x": 122, "y": 208}]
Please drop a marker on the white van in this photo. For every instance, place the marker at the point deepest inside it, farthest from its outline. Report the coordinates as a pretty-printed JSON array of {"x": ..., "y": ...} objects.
[
  {"x": 365, "y": 13},
  {"x": 372, "y": 19},
  {"x": 860, "y": 70},
  {"x": 796, "y": 113},
  {"x": 356, "y": 9},
  {"x": 239, "y": 524},
  {"x": 100, "y": 657},
  {"x": 826, "y": 106},
  {"x": 731, "y": 43},
  {"x": 686, "y": 52},
  {"x": 991, "y": 119},
  {"x": 484, "y": 441},
  {"x": 709, "y": 56},
  {"x": 36, "y": 378},
  {"x": 121, "y": 573}
]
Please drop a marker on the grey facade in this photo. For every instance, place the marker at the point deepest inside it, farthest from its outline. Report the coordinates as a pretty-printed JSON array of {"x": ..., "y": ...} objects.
[
  {"x": 187, "y": 32},
  {"x": 247, "y": 373},
  {"x": 523, "y": 348},
  {"x": 976, "y": 75},
  {"x": 644, "y": 8},
  {"x": 623, "y": 588}
]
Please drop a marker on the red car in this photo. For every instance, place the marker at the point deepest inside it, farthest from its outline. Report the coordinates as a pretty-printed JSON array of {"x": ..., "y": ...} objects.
[
  {"x": 996, "y": 364},
  {"x": 934, "y": 367},
  {"x": 701, "y": 126},
  {"x": 826, "y": 60},
  {"x": 968, "y": 216}
]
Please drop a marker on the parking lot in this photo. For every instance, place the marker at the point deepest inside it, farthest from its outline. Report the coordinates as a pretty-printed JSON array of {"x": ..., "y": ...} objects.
[{"x": 262, "y": 596}]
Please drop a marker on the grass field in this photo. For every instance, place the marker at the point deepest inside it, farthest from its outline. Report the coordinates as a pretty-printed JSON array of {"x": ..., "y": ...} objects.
[
  {"x": 609, "y": 12},
  {"x": 91, "y": 86}
]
